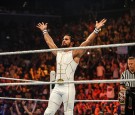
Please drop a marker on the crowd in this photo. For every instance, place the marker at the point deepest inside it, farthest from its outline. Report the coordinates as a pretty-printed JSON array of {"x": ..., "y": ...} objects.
[{"x": 96, "y": 64}]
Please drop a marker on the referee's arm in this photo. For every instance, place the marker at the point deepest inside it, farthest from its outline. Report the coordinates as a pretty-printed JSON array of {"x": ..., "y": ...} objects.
[{"x": 122, "y": 84}]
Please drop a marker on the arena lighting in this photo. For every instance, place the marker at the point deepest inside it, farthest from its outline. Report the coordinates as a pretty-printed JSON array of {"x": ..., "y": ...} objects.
[{"x": 25, "y": 4}]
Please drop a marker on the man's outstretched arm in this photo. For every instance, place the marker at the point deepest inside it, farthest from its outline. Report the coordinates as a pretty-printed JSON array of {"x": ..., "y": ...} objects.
[
  {"x": 43, "y": 27},
  {"x": 90, "y": 38}
]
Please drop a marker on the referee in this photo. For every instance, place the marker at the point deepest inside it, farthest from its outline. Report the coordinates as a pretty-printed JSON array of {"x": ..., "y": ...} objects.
[{"x": 129, "y": 73}]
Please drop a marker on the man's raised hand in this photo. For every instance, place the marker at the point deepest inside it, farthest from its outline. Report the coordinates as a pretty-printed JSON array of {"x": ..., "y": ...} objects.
[
  {"x": 100, "y": 24},
  {"x": 42, "y": 26}
]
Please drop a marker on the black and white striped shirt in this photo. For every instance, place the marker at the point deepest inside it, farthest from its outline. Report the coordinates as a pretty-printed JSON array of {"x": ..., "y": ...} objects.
[{"x": 128, "y": 75}]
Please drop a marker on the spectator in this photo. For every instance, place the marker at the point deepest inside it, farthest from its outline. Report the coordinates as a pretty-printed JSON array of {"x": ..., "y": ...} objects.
[
  {"x": 100, "y": 71},
  {"x": 110, "y": 91}
]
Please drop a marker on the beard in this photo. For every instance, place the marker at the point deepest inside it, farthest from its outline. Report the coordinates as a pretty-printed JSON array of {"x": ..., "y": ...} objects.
[{"x": 64, "y": 46}]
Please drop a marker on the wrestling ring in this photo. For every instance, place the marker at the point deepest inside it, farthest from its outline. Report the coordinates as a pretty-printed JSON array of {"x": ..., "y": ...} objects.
[{"x": 33, "y": 82}]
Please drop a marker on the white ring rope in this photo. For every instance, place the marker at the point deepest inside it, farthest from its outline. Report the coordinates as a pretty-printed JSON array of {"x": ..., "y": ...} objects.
[
  {"x": 68, "y": 82},
  {"x": 7, "y": 78},
  {"x": 73, "y": 48},
  {"x": 42, "y": 100}
]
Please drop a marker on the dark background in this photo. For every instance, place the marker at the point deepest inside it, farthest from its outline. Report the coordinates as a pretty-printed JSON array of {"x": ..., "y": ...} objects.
[{"x": 64, "y": 7}]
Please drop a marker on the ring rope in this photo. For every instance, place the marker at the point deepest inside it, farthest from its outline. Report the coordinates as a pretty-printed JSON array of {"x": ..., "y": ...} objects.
[
  {"x": 7, "y": 78},
  {"x": 75, "y": 82},
  {"x": 42, "y": 100},
  {"x": 73, "y": 48}
]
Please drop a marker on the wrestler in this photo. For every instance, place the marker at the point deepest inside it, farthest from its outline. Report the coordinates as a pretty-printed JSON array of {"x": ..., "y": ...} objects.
[{"x": 67, "y": 62}]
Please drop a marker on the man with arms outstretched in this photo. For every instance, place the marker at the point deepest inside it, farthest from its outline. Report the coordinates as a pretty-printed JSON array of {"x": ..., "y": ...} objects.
[{"x": 67, "y": 62}]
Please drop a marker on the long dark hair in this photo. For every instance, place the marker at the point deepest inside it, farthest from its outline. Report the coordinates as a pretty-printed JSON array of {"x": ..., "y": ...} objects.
[{"x": 71, "y": 38}]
